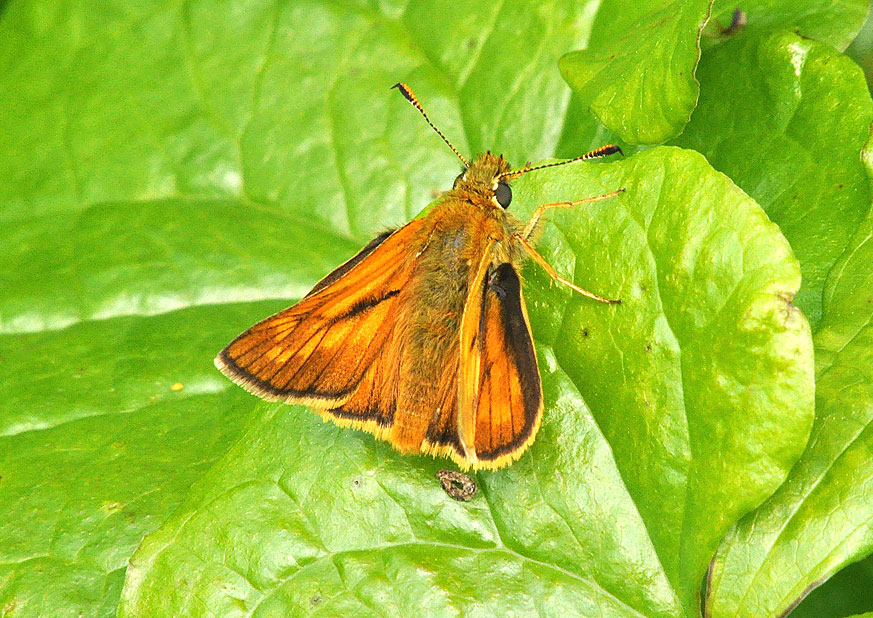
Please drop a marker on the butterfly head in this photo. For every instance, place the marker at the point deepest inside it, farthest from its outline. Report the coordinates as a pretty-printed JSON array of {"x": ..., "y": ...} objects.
[{"x": 484, "y": 179}]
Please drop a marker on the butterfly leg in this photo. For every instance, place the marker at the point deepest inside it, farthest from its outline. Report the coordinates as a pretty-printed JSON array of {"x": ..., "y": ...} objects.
[
  {"x": 554, "y": 275},
  {"x": 535, "y": 219}
]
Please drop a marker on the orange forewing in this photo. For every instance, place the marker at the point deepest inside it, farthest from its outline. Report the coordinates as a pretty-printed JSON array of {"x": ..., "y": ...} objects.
[
  {"x": 318, "y": 351},
  {"x": 499, "y": 390}
]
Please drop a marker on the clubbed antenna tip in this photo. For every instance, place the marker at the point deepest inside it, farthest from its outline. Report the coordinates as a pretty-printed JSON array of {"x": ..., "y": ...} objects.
[
  {"x": 603, "y": 151},
  {"x": 410, "y": 96}
]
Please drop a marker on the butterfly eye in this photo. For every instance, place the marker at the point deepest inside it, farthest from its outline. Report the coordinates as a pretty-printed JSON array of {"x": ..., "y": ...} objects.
[
  {"x": 459, "y": 178},
  {"x": 503, "y": 194}
]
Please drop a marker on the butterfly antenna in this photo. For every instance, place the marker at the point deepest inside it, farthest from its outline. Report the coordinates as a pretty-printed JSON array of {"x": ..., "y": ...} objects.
[
  {"x": 603, "y": 151},
  {"x": 410, "y": 96}
]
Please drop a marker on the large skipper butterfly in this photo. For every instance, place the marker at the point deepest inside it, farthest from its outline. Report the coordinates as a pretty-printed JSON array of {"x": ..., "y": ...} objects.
[{"x": 422, "y": 338}]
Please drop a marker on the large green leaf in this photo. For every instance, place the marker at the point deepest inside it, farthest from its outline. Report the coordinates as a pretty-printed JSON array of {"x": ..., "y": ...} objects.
[
  {"x": 700, "y": 383},
  {"x": 819, "y": 520},
  {"x": 785, "y": 117},
  {"x": 637, "y": 74},
  {"x": 159, "y": 161},
  {"x": 169, "y": 173},
  {"x": 683, "y": 437},
  {"x": 96, "y": 450}
]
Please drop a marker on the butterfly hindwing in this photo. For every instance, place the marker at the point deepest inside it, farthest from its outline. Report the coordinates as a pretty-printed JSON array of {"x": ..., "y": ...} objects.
[
  {"x": 500, "y": 394},
  {"x": 319, "y": 350}
]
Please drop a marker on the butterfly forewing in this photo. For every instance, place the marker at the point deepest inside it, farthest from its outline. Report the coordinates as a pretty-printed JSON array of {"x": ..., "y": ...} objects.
[
  {"x": 319, "y": 350},
  {"x": 375, "y": 397}
]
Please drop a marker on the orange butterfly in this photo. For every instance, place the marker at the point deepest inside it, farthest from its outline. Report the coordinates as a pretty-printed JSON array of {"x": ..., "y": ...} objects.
[{"x": 422, "y": 338}]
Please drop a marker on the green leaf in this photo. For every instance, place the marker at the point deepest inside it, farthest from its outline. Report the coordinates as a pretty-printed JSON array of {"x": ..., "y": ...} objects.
[
  {"x": 96, "y": 450},
  {"x": 861, "y": 49},
  {"x": 169, "y": 173},
  {"x": 686, "y": 438},
  {"x": 785, "y": 118},
  {"x": 700, "y": 384},
  {"x": 161, "y": 166},
  {"x": 800, "y": 116},
  {"x": 820, "y": 519},
  {"x": 637, "y": 73}
]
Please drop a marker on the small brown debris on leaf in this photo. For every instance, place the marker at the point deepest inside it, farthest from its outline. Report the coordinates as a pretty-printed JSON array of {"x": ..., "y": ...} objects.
[{"x": 457, "y": 485}]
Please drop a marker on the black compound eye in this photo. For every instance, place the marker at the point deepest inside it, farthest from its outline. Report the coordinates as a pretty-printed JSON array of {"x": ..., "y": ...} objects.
[
  {"x": 503, "y": 194},
  {"x": 458, "y": 179}
]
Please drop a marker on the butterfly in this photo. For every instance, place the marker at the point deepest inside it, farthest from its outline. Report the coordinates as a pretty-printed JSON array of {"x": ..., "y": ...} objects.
[{"x": 422, "y": 338}]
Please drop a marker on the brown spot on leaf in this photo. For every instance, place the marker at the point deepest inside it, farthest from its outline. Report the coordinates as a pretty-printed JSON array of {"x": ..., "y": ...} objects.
[{"x": 789, "y": 306}]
